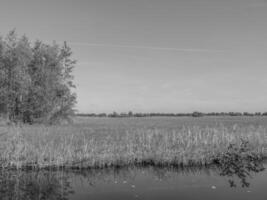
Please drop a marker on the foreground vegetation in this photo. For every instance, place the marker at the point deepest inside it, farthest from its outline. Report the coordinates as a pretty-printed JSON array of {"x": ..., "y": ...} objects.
[{"x": 81, "y": 147}]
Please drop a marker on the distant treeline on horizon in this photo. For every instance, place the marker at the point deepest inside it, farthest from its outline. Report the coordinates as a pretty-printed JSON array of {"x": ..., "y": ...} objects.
[{"x": 193, "y": 114}]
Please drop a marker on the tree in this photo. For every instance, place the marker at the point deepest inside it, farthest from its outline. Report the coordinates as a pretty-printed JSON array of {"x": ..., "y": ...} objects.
[
  {"x": 130, "y": 114},
  {"x": 15, "y": 57},
  {"x": 197, "y": 114},
  {"x": 36, "y": 82}
]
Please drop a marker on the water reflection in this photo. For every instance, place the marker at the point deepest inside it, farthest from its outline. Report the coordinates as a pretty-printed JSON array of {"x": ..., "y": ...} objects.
[
  {"x": 34, "y": 185},
  {"x": 45, "y": 184}
]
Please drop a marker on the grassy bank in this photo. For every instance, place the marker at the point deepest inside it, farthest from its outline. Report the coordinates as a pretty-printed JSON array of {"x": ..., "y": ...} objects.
[{"x": 80, "y": 147}]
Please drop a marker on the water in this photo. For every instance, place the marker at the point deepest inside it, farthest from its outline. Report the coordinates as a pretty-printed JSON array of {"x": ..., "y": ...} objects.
[{"x": 132, "y": 183}]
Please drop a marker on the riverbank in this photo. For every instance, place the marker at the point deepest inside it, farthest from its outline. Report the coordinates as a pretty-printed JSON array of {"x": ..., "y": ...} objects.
[{"x": 77, "y": 147}]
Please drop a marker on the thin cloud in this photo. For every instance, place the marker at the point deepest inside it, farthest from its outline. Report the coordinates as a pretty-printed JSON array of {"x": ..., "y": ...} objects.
[
  {"x": 81, "y": 63},
  {"x": 143, "y": 47}
]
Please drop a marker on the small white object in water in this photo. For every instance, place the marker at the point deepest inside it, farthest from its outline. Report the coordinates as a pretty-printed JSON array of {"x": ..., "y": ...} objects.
[
  {"x": 124, "y": 182},
  {"x": 248, "y": 191},
  {"x": 213, "y": 187},
  {"x": 115, "y": 182},
  {"x": 133, "y": 186}
]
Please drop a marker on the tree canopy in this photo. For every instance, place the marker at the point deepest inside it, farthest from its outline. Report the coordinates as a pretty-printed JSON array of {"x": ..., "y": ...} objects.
[{"x": 36, "y": 81}]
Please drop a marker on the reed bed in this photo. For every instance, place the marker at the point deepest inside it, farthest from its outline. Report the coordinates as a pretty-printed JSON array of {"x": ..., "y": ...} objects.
[{"x": 82, "y": 147}]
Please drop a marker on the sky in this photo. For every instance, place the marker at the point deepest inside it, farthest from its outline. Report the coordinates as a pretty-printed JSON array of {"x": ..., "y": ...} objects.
[{"x": 155, "y": 55}]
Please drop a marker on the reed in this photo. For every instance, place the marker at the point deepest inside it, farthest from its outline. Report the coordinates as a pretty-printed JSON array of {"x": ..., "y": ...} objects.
[{"x": 80, "y": 147}]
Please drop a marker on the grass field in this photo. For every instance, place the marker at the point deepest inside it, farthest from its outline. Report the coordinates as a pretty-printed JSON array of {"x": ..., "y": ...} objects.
[{"x": 103, "y": 142}]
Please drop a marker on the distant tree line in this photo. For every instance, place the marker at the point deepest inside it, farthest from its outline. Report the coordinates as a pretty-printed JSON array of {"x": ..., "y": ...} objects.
[
  {"x": 193, "y": 114},
  {"x": 36, "y": 80}
]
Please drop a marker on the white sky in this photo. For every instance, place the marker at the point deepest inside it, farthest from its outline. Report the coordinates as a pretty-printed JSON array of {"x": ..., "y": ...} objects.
[{"x": 155, "y": 55}]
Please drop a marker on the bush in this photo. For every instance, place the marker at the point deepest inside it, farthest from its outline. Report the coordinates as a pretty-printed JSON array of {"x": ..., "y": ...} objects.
[{"x": 239, "y": 160}]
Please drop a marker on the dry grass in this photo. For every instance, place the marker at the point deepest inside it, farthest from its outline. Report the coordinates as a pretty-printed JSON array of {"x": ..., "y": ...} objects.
[{"x": 81, "y": 147}]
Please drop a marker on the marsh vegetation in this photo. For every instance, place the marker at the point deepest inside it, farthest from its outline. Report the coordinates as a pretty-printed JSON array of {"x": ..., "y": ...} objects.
[{"x": 100, "y": 143}]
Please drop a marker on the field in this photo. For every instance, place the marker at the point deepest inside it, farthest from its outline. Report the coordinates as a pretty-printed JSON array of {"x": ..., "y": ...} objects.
[{"x": 104, "y": 142}]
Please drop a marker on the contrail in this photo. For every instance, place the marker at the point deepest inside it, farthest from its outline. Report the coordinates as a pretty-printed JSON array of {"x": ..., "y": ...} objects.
[{"x": 143, "y": 47}]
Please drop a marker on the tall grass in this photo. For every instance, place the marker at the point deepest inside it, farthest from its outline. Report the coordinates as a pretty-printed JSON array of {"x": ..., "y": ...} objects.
[{"x": 78, "y": 147}]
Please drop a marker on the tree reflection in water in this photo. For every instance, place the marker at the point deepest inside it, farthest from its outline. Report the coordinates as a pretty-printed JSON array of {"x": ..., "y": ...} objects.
[{"x": 34, "y": 185}]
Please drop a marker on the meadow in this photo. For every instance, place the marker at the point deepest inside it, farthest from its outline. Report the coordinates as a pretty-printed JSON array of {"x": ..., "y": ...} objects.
[{"x": 106, "y": 142}]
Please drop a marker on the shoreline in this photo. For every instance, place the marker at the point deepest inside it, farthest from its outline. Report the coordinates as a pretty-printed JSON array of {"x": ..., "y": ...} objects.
[{"x": 104, "y": 144}]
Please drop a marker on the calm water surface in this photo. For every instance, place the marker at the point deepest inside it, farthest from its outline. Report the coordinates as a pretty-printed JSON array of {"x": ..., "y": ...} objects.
[{"x": 131, "y": 183}]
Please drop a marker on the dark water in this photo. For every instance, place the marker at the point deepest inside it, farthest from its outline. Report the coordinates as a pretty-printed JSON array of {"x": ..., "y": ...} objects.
[{"x": 132, "y": 183}]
